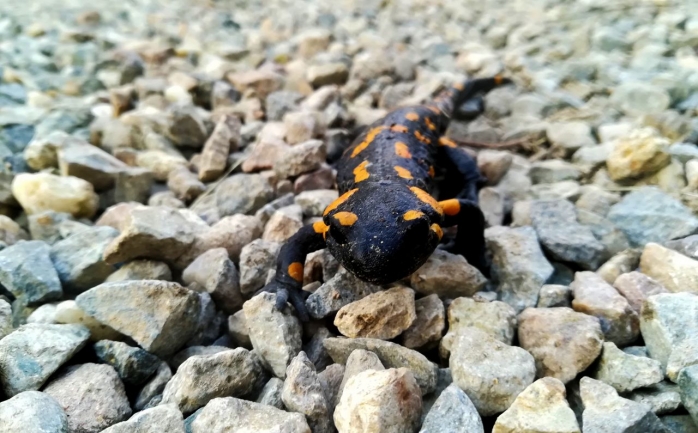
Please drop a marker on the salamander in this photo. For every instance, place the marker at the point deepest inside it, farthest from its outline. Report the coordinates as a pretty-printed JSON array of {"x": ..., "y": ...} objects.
[{"x": 387, "y": 221}]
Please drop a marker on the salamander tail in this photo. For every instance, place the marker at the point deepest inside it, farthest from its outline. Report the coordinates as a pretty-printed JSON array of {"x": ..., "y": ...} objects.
[{"x": 457, "y": 94}]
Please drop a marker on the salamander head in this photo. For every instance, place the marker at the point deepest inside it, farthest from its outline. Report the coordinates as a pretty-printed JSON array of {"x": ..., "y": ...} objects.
[{"x": 383, "y": 232}]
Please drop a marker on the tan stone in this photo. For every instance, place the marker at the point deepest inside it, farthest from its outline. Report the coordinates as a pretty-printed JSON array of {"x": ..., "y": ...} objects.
[
  {"x": 676, "y": 272},
  {"x": 38, "y": 192},
  {"x": 640, "y": 153},
  {"x": 383, "y": 315}
]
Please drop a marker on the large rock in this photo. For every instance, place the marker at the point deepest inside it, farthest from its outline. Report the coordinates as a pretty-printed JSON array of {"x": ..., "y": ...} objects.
[
  {"x": 275, "y": 335},
  {"x": 216, "y": 273},
  {"x": 134, "y": 365},
  {"x": 90, "y": 163},
  {"x": 390, "y": 354},
  {"x": 256, "y": 258},
  {"x": 230, "y": 414},
  {"x": 622, "y": 263},
  {"x": 70, "y": 313},
  {"x": 358, "y": 361},
  {"x": 39, "y": 192},
  {"x": 605, "y": 411},
  {"x": 164, "y": 418},
  {"x": 626, "y": 372},
  {"x": 447, "y": 275},
  {"x": 200, "y": 379},
  {"x": 26, "y": 270},
  {"x": 497, "y": 319},
  {"x": 518, "y": 263},
  {"x": 594, "y": 296},
  {"x": 682, "y": 355},
  {"x": 648, "y": 214},
  {"x": 160, "y": 316},
  {"x": 32, "y": 412},
  {"x": 271, "y": 393},
  {"x": 157, "y": 233},
  {"x": 562, "y": 341},
  {"x": 452, "y": 412},
  {"x": 676, "y": 272},
  {"x": 540, "y": 408},
  {"x": 489, "y": 371},
  {"x": 342, "y": 289},
  {"x": 383, "y": 315},
  {"x": 79, "y": 258},
  {"x": 562, "y": 236},
  {"x": 32, "y": 353},
  {"x": 303, "y": 393},
  {"x": 667, "y": 320},
  {"x": 243, "y": 193},
  {"x": 92, "y": 396},
  {"x": 386, "y": 401},
  {"x": 688, "y": 386}
]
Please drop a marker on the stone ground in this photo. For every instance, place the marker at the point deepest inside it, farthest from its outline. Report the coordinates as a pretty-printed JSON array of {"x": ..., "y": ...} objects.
[{"x": 158, "y": 153}]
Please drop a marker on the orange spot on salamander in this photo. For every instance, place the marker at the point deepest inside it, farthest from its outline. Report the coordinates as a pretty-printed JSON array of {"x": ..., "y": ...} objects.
[
  {"x": 341, "y": 199},
  {"x": 429, "y": 124},
  {"x": 421, "y": 137},
  {"x": 498, "y": 79},
  {"x": 403, "y": 172},
  {"x": 459, "y": 86},
  {"x": 426, "y": 198},
  {"x": 370, "y": 135},
  {"x": 346, "y": 218},
  {"x": 402, "y": 150},
  {"x": 399, "y": 128},
  {"x": 412, "y": 116},
  {"x": 432, "y": 173},
  {"x": 451, "y": 207},
  {"x": 295, "y": 271},
  {"x": 437, "y": 229},
  {"x": 445, "y": 141},
  {"x": 360, "y": 172},
  {"x": 321, "y": 228},
  {"x": 412, "y": 215}
]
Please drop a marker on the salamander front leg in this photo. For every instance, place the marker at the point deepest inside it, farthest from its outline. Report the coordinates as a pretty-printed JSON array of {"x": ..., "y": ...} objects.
[
  {"x": 470, "y": 238},
  {"x": 288, "y": 282}
]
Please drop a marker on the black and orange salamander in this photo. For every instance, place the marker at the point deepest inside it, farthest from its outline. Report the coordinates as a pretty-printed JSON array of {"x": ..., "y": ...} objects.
[{"x": 386, "y": 222}]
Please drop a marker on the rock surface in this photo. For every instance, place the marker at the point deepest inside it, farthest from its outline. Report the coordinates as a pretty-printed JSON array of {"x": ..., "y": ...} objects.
[
  {"x": 32, "y": 412},
  {"x": 452, "y": 411},
  {"x": 383, "y": 315}
]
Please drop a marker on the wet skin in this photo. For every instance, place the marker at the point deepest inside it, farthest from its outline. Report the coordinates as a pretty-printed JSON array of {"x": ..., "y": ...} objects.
[{"x": 386, "y": 222}]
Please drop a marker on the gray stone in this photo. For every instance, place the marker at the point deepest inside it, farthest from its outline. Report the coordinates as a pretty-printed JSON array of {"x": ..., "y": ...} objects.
[
  {"x": 186, "y": 353},
  {"x": 315, "y": 201},
  {"x": 626, "y": 372},
  {"x": 6, "y": 317},
  {"x": 275, "y": 335},
  {"x": 32, "y": 353},
  {"x": 69, "y": 312},
  {"x": 340, "y": 290},
  {"x": 683, "y": 355},
  {"x": 594, "y": 296},
  {"x": 518, "y": 265},
  {"x": 622, "y": 263},
  {"x": 331, "y": 379},
  {"x": 209, "y": 322},
  {"x": 160, "y": 316},
  {"x": 164, "y": 418},
  {"x": 554, "y": 295},
  {"x": 201, "y": 379},
  {"x": 667, "y": 320},
  {"x": 231, "y": 414},
  {"x": 596, "y": 200},
  {"x": 605, "y": 411},
  {"x": 301, "y": 158},
  {"x": 497, "y": 319},
  {"x": 256, "y": 259},
  {"x": 562, "y": 341},
  {"x": 154, "y": 387},
  {"x": 553, "y": 170},
  {"x": 243, "y": 193},
  {"x": 238, "y": 330},
  {"x": 216, "y": 273},
  {"x": 663, "y": 397},
  {"x": 429, "y": 324},
  {"x": 32, "y": 412},
  {"x": 134, "y": 365},
  {"x": 570, "y": 136},
  {"x": 90, "y": 163},
  {"x": 224, "y": 138},
  {"x": 540, "y": 408},
  {"x": 688, "y": 387},
  {"x": 391, "y": 355},
  {"x": 141, "y": 270},
  {"x": 447, "y": 275},
  {"x": 92, "y": 396},
  {"x": 680, "y": 424},
  {"x": 650, "y": 215},
  {"x": 303, "y": 393},
  {"x": 380, "y": 400},
  {"x": 185, "y": 185},
  {"x": 26, "y": 270},
  {"x": 452, "y": 412},
  {"x": 489, "y": 371},
  {"x": 78, "y": 259},
  {"x": 611, "y": 237},
  {"x": 271, "y": 393},
  {"x": 563, "y": 237},
  {"x": 687, "y": 246},
  {"x": 45, "y": 226},
  {"x": 636, "y": 98},
  {"x": 315, "y": 348}
]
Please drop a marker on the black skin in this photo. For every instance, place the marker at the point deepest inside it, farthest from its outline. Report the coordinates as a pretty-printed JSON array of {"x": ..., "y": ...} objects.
[{"x": 382, "y": 228}]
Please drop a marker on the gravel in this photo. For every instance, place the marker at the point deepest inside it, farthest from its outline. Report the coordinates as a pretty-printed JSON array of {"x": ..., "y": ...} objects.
[{"x": 156, "y": 155}]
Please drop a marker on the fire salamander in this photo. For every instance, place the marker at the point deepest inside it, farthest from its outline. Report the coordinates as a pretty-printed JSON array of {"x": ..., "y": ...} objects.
[{"x": 386, "y": 222}]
